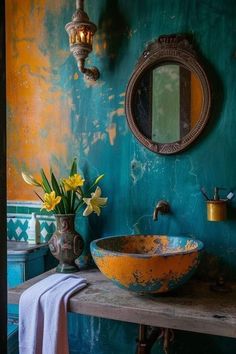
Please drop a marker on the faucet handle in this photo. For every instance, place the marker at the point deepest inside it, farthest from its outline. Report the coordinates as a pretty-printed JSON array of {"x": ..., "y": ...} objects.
[{"x": 163, "y": 207}]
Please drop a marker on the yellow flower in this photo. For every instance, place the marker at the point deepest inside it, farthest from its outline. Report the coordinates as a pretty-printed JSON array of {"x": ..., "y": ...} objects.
[
  {"x": 73, "y": 182},
  {"x": 94, "y": 203},
  {"x": 30, "y": 180},
  {"x": 50, "y": 201}
]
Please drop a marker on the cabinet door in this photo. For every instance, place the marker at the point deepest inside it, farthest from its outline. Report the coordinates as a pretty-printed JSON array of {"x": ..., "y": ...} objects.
[{"x": 15, "y": 273}]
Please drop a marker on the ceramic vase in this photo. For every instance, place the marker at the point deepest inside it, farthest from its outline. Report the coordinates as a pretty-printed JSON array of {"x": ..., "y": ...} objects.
[{"x": 66, "y": 244}]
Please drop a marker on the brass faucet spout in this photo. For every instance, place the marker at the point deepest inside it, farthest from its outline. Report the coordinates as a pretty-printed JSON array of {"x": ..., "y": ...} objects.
[
  {"x": 155, "y": 213},
  {"x": 163, "y": 207}
]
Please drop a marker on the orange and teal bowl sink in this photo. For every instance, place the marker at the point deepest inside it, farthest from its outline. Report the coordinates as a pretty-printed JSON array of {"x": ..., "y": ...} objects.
[{"x": 147, "y": 263}]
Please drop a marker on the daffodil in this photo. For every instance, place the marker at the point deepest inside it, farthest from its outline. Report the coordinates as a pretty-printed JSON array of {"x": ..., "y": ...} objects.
[
  {"x": 68, "y": 195},
  {"x": 94, "y": 203},
  {"x": 73, "y": 182},
  {"x": 50, "y": 201},
  {"x": 29, "y": 179}
]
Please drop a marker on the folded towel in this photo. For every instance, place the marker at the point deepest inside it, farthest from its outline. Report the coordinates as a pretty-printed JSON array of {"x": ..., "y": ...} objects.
[{"x": 43, "y": 314}]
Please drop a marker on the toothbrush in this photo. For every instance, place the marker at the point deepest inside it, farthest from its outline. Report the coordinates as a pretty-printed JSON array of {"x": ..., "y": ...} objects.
[
  {"x": 204, "y": 193},
  {"x": 230, "y": 196}
]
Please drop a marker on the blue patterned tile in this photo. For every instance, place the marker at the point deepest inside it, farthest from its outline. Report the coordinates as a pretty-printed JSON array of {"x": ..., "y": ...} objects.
[
  {"x": 19, "y": 214},
  {"x": 47, "y": 227}
]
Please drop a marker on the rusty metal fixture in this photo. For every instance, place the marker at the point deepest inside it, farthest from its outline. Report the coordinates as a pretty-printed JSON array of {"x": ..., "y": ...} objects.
[
  {"x": 163, "y": 207},
  {"x": 168, "y": 337},
  {"x": 220, "y": 285},
  {"x": 149, "y": 335},
  {"x": 81, "y": 32},
  {"x": 170, "y": 49}
]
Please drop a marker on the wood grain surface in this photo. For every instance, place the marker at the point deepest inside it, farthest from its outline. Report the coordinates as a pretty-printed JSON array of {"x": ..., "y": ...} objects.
[{"x": 193, "y": 307}]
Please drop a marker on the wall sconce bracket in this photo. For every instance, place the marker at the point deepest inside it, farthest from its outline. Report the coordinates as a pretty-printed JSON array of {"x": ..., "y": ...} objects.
[{"x": 81, "y": 32}]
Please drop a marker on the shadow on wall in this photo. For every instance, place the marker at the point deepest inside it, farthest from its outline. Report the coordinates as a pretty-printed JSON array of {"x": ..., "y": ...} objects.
[
  {"x": 113, "y": 28},
  {"x": 217, "y": 91}
]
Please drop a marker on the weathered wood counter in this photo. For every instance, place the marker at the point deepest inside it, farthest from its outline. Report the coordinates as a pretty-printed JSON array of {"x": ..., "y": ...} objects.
[{"x": 192, "y": 308}]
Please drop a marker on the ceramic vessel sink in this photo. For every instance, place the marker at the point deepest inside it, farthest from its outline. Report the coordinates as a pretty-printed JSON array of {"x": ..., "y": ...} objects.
[{"x": 147, "y": 263}]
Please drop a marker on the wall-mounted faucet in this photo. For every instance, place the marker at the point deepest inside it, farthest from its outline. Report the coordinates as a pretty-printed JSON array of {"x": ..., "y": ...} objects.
[{"x": 163, "y": 207}]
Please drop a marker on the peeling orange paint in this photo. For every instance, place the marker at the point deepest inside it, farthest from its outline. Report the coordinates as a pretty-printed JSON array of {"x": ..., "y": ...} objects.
[
  {"x": 125, "y": 270},
  {"x": 38, "y": 123},
  {"x": 98, "y": 136},
  {"x": 118, "y": 112},
  {"x": 111, "y": 130},
  {"x": 144, "y": 260},
  {"x": 76, "y": 76}
]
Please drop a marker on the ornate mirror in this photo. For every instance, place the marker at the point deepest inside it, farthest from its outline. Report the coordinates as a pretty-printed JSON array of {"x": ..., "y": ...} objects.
[{"x": 168, "y": 96}]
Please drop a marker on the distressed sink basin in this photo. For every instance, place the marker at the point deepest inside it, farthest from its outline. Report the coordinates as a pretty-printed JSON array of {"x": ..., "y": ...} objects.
[{"x": 147, "y": 263}]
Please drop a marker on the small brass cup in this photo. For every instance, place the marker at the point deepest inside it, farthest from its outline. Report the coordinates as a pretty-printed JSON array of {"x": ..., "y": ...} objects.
[{"x": 217, "y": 210}]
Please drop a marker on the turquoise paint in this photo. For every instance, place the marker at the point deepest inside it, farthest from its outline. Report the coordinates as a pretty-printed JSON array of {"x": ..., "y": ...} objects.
[
  {"x": 12, "y": 335},
  {"x": 21, "y": 267},
  {"x": 98, "y": 335},
  {"x": 135, "y": 177},
  {"x": 135, "y": 170}
]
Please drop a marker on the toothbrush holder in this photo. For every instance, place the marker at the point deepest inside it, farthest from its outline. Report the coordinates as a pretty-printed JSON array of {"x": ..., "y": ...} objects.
[{"x": 217, "y": 210}]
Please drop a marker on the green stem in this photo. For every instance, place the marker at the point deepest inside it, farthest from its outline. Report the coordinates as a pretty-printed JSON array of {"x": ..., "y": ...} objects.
[
  {"x": 73, "y": 202},
  {"x": 79, "y": 205}
]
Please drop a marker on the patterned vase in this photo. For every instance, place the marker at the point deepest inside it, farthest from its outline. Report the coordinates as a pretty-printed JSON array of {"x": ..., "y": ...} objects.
[{"x": 66, "y": 244}]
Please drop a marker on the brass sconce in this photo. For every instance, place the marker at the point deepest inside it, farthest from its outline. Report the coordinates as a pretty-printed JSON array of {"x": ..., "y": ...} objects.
[{"x": 81, "y": 32}]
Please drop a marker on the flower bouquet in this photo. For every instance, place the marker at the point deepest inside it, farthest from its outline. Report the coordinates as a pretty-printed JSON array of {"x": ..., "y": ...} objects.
[{"x": 65, "y": 198}]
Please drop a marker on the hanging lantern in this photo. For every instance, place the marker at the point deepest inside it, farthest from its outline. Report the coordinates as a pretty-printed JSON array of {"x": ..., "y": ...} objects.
[{"x": 81, "y": 32}]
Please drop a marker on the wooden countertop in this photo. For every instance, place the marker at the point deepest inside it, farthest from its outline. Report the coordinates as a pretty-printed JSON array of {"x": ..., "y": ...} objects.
[
  {"x": 193, "y": 307},
  {"x": 21, "y": 247}
]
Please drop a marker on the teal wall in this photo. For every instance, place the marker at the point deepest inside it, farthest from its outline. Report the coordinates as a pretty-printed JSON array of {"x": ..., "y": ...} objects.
[{"x": 135, "y": 177}]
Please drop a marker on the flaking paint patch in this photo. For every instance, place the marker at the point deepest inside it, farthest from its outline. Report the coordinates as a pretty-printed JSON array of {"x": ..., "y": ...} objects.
[
  {"x": 131, "y": 32},
  {"x": 111, "y": 130},
  {"x": 111, "y": 97},
  {"x": 137, "y": 170},
  {"x": 118, "y": 112},
  {"x": 98, "y": 136},
  {"x": 92, "y": 83},
  {"x": 85, "y": 138}
]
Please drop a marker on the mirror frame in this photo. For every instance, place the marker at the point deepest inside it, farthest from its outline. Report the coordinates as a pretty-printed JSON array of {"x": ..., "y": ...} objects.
[{"x": 168, "y": 49}]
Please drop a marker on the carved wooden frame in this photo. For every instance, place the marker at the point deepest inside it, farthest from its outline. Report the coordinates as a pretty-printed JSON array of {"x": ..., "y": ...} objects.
[{"x": 168, "y": 49}]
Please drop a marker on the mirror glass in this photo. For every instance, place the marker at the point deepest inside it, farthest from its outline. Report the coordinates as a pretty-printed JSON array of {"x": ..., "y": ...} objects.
[{"x": 168, "y": 101}]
